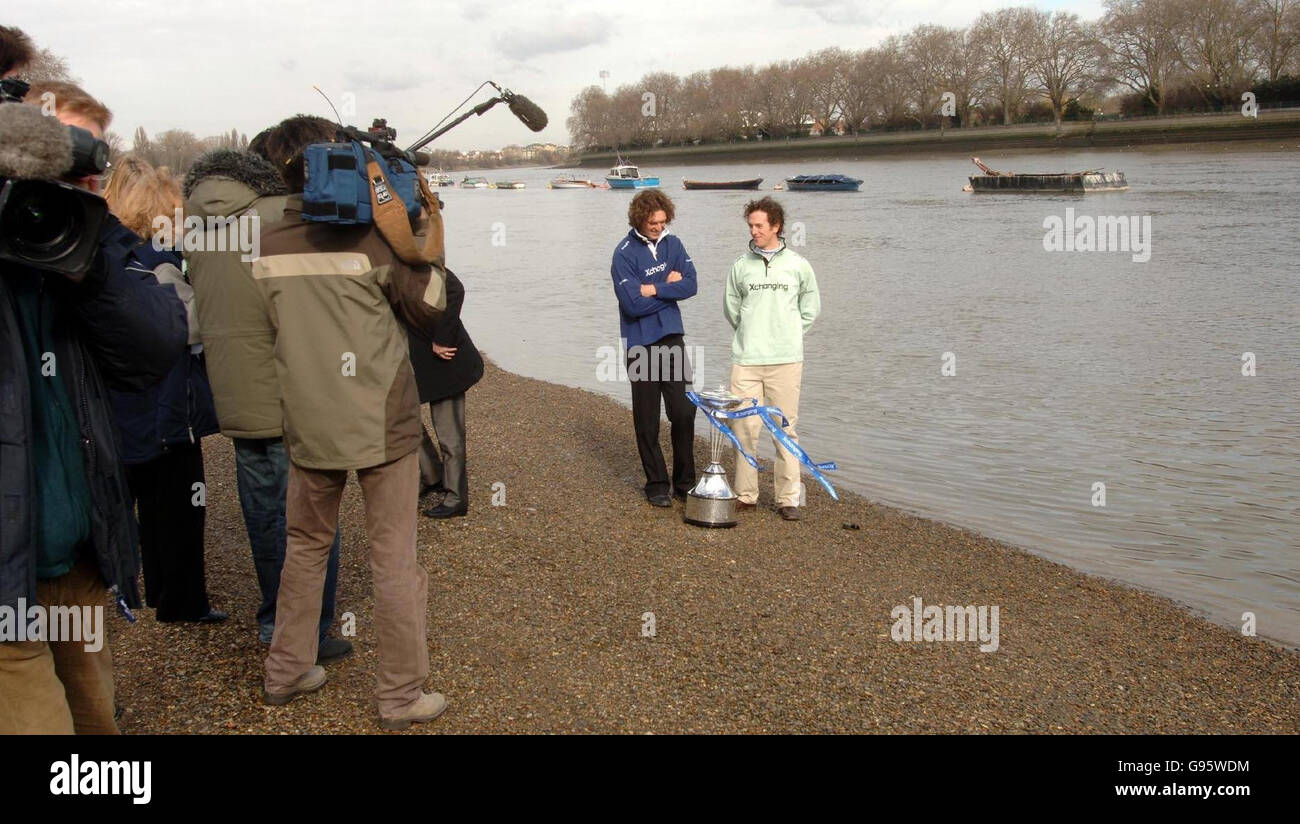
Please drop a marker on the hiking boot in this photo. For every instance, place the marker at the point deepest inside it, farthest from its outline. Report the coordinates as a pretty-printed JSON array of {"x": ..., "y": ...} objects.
[
  {"x": 310, "y": 681},
  {"x": 332, "y": 649},
  {"x": 741, "y": 506},
  {"x": 425, "y": 708},
  {"x": 790, "y": 513}
]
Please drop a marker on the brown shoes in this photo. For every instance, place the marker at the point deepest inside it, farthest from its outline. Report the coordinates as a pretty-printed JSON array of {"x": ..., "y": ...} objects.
[
  {"x": 741, "y": 506},
  {"x": 790, "y": 513},
  {"x": 310, "y": 681},
  {"x": 425, "y": 708}
]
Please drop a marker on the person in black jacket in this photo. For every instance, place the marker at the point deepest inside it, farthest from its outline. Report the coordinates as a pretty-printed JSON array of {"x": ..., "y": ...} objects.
[
  {"x": 445, "y": 368},
  {"x": 161, "y": 428},
  {"x": 67, "y": 532}
]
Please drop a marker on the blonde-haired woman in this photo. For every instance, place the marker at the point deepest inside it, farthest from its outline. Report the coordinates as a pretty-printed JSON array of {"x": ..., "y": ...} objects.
[{"x": 161, "y": 427}]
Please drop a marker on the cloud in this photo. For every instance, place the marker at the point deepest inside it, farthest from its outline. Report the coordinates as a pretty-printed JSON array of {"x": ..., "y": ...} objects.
[
  {"x": 841, "y": 12},
  {"x": 554, "y": 37},
  {"x": 390, "y": 81},
  {"x": 473, "y": 12}
]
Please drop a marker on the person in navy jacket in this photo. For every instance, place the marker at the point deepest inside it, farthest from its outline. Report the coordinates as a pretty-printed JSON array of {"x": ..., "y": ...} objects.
[
  {"x": 160, "y": 427},
  {"x": 652, "y": 272}
]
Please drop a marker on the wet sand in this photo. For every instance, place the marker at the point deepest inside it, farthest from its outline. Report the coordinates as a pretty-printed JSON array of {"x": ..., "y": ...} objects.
[{"x": 536, "y": 615}]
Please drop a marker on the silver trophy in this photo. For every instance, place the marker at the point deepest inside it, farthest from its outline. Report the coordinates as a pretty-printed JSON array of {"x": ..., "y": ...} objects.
[{"x": 712, "y": 503}]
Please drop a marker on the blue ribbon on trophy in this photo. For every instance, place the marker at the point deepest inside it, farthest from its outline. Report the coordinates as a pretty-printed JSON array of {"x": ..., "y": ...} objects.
[{"x": 765, "y": 414}]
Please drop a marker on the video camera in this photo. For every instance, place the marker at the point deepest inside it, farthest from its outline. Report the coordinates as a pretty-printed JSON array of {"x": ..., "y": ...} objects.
[
  {"x": 46, "y": 223},
  {"x": 338, "y": 186},
  {"x": 363, "y": 177}
]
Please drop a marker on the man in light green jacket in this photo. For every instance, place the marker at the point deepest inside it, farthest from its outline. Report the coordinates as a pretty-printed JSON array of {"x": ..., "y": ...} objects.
[{"x": 771, "y": 301}]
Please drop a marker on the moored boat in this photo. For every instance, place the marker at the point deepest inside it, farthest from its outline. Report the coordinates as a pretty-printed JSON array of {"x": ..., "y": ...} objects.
[
  {"x": 439, "y": 178},
  {"x": 626, "y": 176},
  {"x": 509, "y": 184},
  {"x": 569, "y": 183},
  {"x": 1089, "y": 180},
  {"x": 474, "y": 183},
  {"x": 717, "y": 185},
  {"x": 822, "y": 183}
]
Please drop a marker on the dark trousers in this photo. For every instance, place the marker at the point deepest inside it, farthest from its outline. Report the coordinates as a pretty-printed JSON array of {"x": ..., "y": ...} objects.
[
  {"x": 443, "y": 464},
  {"x": 171, "y": 532},
  {"x": 661, "y": 370}
]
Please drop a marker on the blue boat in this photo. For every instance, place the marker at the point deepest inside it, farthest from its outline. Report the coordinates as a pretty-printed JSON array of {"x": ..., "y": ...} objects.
[
  {"x": 822, "y": 183},
  {"x": 627, "y": 176}
]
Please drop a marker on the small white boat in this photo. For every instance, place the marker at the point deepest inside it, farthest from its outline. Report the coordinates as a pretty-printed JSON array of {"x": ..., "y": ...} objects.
[
  {"x": 626, "y": 176},
  {"x": 439, "y": 178},
  {"x": 474, "y": 183},
  {"x": 569, "y": 183},
  {"x": 509, "y": 184}
]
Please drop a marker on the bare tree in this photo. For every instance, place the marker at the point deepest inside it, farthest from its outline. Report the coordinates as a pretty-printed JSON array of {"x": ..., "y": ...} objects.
[
  {"x": 116, "y": 146},
  {"x": 826, "y": 73},
  {"x": 699, "y": 120},
  {"x": 1141, "y": 39},
  {"x": 663, "y": 118},
  {"x": 857, "y": 106},
  {"x": 1215, "y": 48},
  {"x": 1005, "y": 40},
  {"x": 1066, "y": 61},
  {"x": 963, "y": 71},
  {"x": 891, "y": 85},
  {"x": 47, "y": 66},
  {"x": 926, "y": 72},
  {"x": 176, "y": 149},
  {"x": 729, "y": 88},
  {"x": 588, "y": 121},
  {"x": 1278, "y": 34}
]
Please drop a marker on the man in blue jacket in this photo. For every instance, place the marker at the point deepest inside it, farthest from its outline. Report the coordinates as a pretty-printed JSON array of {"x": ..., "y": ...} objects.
[{"x": 652, "y": 272}]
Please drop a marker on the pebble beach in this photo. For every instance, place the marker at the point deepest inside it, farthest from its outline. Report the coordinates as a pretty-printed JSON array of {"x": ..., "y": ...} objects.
[{"x": 538, "y": 614}]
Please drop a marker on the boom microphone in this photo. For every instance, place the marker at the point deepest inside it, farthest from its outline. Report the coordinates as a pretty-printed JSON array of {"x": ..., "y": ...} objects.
[
  {"x": 32, "y": 145},
  {"x": 528, "y": 112}
]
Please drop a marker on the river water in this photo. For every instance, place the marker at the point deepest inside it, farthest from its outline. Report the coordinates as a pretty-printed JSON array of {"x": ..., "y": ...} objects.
[{"x": 1070, "y": 368}]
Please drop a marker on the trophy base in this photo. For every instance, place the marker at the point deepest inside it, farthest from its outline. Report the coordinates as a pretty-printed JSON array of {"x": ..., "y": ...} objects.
[{"x": 714, "y": 513}]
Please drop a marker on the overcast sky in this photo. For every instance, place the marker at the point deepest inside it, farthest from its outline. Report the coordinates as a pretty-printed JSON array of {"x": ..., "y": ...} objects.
[{"x": 212, "y": 66}]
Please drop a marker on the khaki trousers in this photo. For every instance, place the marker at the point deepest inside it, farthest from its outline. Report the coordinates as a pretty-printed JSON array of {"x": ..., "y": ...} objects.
[
  {"x": 391, "y": 493},
  {"x": 774, "y": 385},
  {"x": 57, "y": 687}
]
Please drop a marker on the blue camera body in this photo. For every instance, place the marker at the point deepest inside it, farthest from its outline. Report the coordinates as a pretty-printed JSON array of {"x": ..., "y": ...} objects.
[{"x": 337, "y": 188}]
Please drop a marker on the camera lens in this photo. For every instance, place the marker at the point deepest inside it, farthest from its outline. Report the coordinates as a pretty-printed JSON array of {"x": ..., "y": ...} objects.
[{"x": 42, "y": 223}]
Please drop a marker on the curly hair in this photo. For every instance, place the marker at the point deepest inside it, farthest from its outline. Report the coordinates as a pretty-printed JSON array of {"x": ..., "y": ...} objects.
[
  {"x": 645, "y": 204},
  {"x": 775, "y": 213},
  {"x": 16, "y": 50}
]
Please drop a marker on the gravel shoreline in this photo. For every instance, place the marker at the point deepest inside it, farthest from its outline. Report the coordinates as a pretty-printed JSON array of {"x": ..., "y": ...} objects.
[{"x": 535, "y": 615}]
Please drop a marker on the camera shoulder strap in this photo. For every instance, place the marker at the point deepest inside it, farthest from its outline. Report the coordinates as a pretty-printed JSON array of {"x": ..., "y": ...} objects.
[{"x": 391, "y": 218}]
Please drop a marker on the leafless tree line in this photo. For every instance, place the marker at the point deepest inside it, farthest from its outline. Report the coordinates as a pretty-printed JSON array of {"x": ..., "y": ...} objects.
[
  {"x": 1010, "y": 65},
  {"x": 176, "y": 149}
]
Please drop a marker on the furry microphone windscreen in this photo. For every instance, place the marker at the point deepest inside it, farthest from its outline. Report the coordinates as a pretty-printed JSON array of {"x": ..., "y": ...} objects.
[{"x": 32, "y": 145}]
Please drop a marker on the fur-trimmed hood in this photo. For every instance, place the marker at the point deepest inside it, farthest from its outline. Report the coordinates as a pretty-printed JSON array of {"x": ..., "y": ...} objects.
[{"x": 224, "y": 182}]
